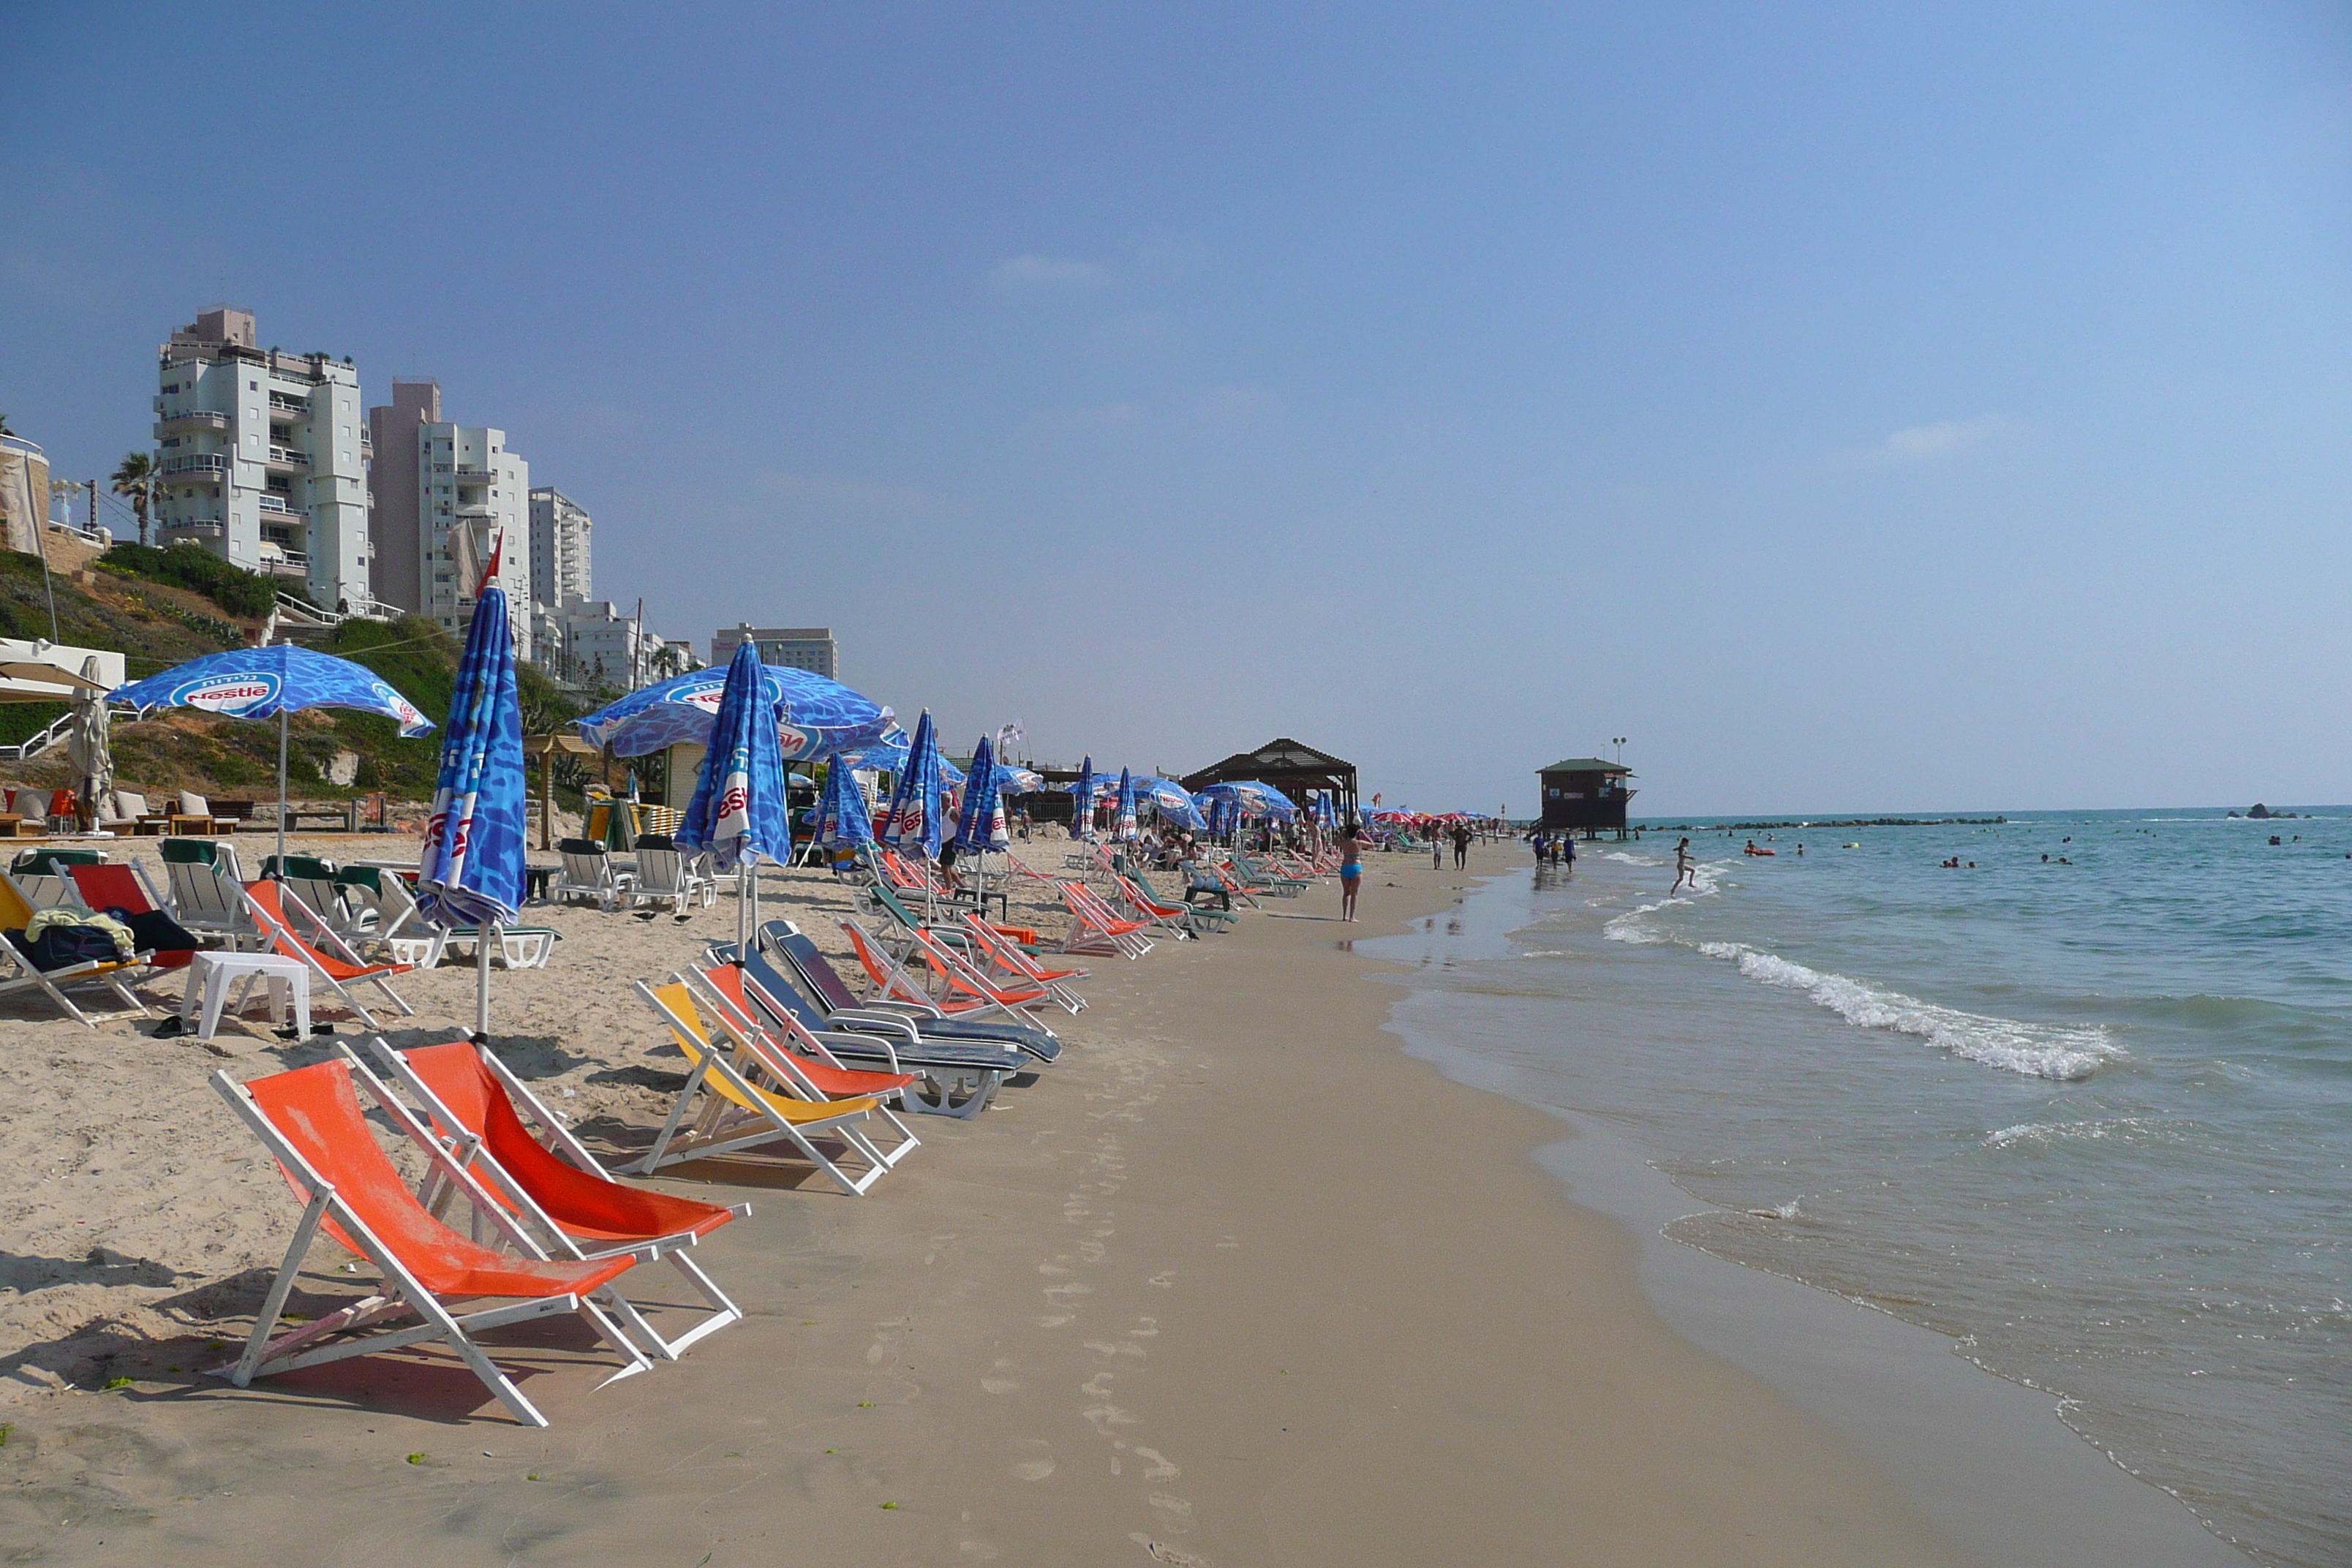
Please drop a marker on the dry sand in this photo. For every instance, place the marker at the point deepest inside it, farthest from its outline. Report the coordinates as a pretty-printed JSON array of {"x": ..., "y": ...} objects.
[{"x": 1235, "y": 1283}]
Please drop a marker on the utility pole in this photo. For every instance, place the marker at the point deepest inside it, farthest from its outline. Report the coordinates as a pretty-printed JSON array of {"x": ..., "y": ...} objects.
[
  {"x": 637, "y": 646},
  {"x": 93, "y": 507}
]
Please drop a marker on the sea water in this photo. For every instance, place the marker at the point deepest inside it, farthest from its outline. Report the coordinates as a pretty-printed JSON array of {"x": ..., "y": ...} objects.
[{"x": 2084, "y": 1103}]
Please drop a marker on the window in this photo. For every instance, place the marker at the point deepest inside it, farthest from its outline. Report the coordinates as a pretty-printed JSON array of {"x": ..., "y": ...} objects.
[{"x": 253, "y": 386}]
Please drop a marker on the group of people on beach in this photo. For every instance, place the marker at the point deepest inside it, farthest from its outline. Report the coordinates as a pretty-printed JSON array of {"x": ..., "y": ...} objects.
[{"x": 1553, "y": 848}]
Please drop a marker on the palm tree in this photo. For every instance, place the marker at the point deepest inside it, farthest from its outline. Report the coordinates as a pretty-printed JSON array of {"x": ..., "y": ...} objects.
[
  {"x": 134, "y": 477},
  {"x": 3, "y": 426}
]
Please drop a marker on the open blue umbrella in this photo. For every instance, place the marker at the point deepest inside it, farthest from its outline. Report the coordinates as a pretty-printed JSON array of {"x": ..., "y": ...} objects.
[
  {"x": 1175, "y": 803},
  {"x": 814, "y": 715},
  {"x": 738, "y": 812},
  {"x": 913, "y": 820},
  {"x": 1254, "y": 798},
  {"x": 1123, "y": 824},
  {"x": 471, "y": 872},
  {"x": 980, "y": 828},
  {"x": 841, "y": 819},
  {"x": 1082, "y": 801},
  {"x": 271, "y": 682}
]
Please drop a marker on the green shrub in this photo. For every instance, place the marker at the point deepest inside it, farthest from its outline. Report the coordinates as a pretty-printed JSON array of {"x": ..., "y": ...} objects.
[{"x": 192, "y": 567}]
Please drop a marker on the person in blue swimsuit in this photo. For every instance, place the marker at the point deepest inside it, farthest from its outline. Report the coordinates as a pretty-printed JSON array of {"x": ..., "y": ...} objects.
[{"x": 1351, "y": 868}]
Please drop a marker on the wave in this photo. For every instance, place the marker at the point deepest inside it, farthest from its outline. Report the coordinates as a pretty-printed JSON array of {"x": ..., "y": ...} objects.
[
  {"x": 1634, "y": 926},
  {"x": 2052, "y": 1131},
  {"x": 2066, "y": 1052}
]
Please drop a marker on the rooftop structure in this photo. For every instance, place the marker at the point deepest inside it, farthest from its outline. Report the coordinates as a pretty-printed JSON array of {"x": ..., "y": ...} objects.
[
  {"x": 1587, "y": 794},
  {"x": 796, "y": 648},
  {"x": 449, "y": 495},
  {"x": 1297, "y": 770}
]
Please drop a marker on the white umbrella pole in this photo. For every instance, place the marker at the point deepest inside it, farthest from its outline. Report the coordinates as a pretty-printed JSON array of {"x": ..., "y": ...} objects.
[
  {"x": 486, "y": 936},
  {"x": 281, "y": 792}
]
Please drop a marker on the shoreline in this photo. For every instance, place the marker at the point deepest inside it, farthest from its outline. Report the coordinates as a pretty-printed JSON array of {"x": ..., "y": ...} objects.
[
  {"x": 1991, "y": 1461},
  {"x": 1239, "y": 1281}
]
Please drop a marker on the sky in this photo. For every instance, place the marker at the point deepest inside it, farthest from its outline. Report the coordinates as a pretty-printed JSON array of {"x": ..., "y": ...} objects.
[{"x": 1857, "y": 408}]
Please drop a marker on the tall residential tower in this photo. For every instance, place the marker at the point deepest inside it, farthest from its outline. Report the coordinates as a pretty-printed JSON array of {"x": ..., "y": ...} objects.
[
  {"x": 263, "y": 459},
  {"x": 446, "y": 496}
]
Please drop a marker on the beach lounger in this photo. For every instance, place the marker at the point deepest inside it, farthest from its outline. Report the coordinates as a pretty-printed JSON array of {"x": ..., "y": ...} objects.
[
  {"x": 1199, "y": 886},
  {"x": 799, "y": 1061},
  {"x": 267, "y": 901},
  {"x": 1177, "y": 919},
  {"x": 311, "y": 1122},
  {"x": 313, "y": 883},
  {"x": 1005, "y": 960},
  {"x": 42, "y": 876},
  {"x": 19, "y": 972},
  {"x": 963, "y": 988},
  {"x": 666, "y": 876},
  {"x": 732, "y": 1112},
  {"x": 399, "y": 930},
  {"x": 205, "y": 889},
  {"x": 124, "y": 891},
  {"x": 841, "y": 1006},
  {"x": 965, "y": 1073},
  {"x": 588, "y": 875},
  {"x": 574, "y": 1208},
  {"x": 1095, "y": 927}
]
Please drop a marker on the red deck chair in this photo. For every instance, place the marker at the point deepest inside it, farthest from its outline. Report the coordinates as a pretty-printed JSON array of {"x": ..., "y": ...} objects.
[
  {"x": 268, "y": 901},
  {"x": 124, "y": 886},
  {"x": 812, "y": 1069},
  {"x": 472, "y": 1100},
  {"x": 310, "y": 1121},
  {"x": 1006, "y": 959}
]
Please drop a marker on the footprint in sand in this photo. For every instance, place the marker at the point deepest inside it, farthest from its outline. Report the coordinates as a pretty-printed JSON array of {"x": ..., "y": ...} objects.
[
  {"x": 1162, "y": 1552},
  {"x": 1165, "y": 1280},
  {"x": 1033, "y": 1469}
]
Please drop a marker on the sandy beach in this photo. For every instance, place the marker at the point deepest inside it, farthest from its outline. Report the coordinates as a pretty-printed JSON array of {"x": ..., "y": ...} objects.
[{"x": 1235, "y": 1282}]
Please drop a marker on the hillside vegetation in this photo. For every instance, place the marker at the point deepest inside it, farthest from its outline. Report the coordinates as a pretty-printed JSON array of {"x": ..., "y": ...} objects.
[{"x": 158, "y": 624}]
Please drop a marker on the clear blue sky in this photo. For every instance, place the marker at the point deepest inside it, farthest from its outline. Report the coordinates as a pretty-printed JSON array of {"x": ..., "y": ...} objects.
[{"x": 1858, "y": 407}]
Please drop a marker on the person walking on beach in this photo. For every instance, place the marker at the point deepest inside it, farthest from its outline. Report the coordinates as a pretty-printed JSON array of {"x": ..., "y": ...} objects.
[
  {"x": 1351, "y": 868},
  {"x": 1684, "y": 871},
  {"x": 1460, "y": 847},
  {"x": 1436, "y": 850}
]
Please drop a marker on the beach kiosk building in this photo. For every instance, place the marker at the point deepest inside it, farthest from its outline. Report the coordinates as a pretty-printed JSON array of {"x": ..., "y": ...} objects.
[
  {"x": 1296, "y": 769},
  {"x": 1585, "y": 794}
]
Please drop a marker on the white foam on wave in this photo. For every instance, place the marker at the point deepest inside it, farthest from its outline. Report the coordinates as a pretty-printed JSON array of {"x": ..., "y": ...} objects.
[
  {"x": 2041, "y": 1050},
  {"x": 2052, "y": 1131},
  {"x": 1636, "y": 926}
]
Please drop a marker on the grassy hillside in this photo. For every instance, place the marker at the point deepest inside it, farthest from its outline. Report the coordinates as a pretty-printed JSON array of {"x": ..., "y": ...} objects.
[{"x": 156, "y": 625}]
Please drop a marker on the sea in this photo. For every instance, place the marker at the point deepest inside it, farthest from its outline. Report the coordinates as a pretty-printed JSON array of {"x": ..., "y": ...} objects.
[{"x": 2081, "y": 1102}]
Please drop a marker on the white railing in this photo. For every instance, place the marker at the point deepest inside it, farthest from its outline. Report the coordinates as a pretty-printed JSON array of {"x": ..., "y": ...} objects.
[
  {"x": 288, "y": 455},
  {"x": 196, "y": 463},
  {"x": 272, "y": 502},
  {"x": 25, "y": 751}
]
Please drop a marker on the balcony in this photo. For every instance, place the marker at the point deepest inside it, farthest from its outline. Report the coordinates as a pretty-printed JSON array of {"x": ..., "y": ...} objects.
[
  {"x": 206, "y": 531},
  {"x": 476, "y": 477},
  {"x": 287, "y": 458},
  {"x": 478, "y": 509},
  {"x": 280, "y": 562},
  {"x": 279, "y": 403},
  {"x": 196, "y": 463},
  {"x": 195, "y": 419},
  {"x": 278, "y": 505}
]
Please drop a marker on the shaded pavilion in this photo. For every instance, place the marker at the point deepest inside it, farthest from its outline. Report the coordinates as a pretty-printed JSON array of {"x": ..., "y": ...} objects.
[{"x": 1295, "y": 768}]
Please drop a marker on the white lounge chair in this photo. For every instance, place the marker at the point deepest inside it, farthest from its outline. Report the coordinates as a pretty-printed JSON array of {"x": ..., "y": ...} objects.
[
  {"x": 207, "y": 889},
  {"x": 588, "y": 874},
  {"x": 666, "y": 876}
]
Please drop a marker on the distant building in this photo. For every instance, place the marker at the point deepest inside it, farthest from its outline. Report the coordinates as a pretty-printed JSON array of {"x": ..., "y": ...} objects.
[
  {"x": 602, "y": 646},
  {"x": 1585, "y": 794},
  {"x": 262, "y": 457},
  {"x": 466, "y": 495},
  {"x": 796, "y": 648},
  {"x": 559, "y": 527},
  {"x": 1295, "y": 768}
]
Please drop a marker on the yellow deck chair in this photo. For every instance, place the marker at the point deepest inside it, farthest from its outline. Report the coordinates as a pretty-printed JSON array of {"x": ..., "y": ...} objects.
[
  {"x": 19, "y": 974},
  {"x": 729, "y": 1111}
]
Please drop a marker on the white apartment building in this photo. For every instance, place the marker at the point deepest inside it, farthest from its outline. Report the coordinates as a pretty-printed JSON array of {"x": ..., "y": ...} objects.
[
  {"x": 560, "y": 528},
  {"x": 448, "y": 496},
  {"x": 795, "y": 647},
  {"x": 262, "y": 457},
  {"x": 602, "y": 646}
]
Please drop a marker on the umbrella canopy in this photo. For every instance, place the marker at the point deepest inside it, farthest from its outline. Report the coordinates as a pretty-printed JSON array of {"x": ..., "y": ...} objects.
[
  {"x": 981, "y": 827},
  {"x": 89, "y": 745},
  {"x": 888, "y": 753},
  {"x": 1012, "y": 779},
  {"x": 1173, "y": 801},
  {"x": 913, "y": 819},
  {"x": 471, "y": 872},
  {"x": 841, "y": 819},
  {"x": 263, "y": 682},
  {"x": 813, "y": 715},
  {"x": 737, "y": 809},
  {"x": 1082, "y": 805},
  {"x": 1254, "y": 798},
  {"x": 271, "y": 682},
  {"x": 1124, "y": 822}
]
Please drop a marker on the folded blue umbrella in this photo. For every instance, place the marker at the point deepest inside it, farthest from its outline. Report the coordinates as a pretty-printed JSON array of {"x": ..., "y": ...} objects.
[
  {"x": 913, "y": 820},
  {"x": 471, "y": 872},
  {"x": 980, "y": 828},
  {"x": 1082, "y": 801},
  {"x": 738, "y": 812},
  {"x": 841, "y": 819},
  {"x": 1124, "y": 820}
]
